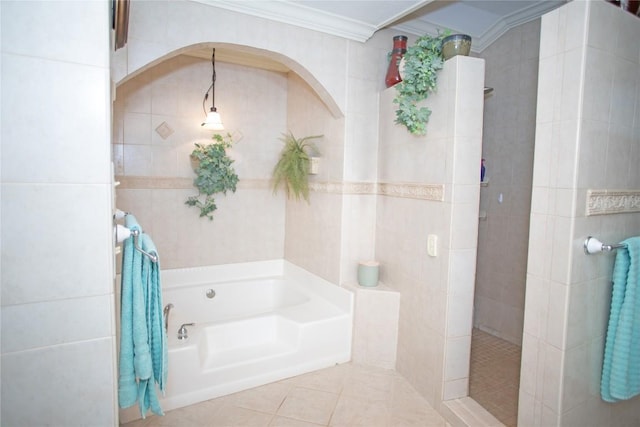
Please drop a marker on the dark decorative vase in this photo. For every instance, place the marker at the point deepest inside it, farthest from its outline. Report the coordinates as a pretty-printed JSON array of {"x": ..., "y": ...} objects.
[{"x": 393, "y": 72}]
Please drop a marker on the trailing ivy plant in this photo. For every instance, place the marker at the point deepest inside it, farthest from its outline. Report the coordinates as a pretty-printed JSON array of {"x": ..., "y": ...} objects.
[
  {"x": 422, "y": 62},
  {"x": 214, "y": 173},
  {"x": 294, "y": 165}
]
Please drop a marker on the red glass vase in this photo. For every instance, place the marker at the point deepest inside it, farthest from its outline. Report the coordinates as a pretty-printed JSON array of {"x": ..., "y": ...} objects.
[{"x": 393, "y": 72}]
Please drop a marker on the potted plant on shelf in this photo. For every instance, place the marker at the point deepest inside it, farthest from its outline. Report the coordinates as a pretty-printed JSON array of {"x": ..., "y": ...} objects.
[
  {"x": 294, "y": 165},
  {"x": 214, "y": 173},
  {"x": 422, "y": 62}
]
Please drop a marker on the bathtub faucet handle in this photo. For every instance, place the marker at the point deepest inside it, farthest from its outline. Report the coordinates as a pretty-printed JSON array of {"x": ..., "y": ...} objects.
[{"x": 183, "y": 334}]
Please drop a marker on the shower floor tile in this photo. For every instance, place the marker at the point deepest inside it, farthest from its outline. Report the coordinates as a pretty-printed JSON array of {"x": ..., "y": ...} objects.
[
  {"x": 495, "y": 376},
  {"x": 344, "y": 395}
]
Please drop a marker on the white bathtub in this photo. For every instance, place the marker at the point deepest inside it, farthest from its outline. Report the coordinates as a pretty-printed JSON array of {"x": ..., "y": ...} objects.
[{"x": 268, "y": 321}]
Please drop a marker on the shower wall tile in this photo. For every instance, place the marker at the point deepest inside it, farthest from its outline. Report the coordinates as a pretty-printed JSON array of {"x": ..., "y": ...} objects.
[
  {"x": 598, "y": 77},
  {"x": 458, "y": 352},
  {"x": 508, "y": 141},
  {"x": 256, "y": 123},
  {"x": 49, "y": 145},
  {"x": 148, "y": 21},
  {"x": 557, "y": 309},
  {"x": 436, "y": 291},
  {"x": 624, "y": 91},
  {"x": 375, "y": 326},
  {"x": 358, "y": 234},
  {"x": 313, "y": 234},
  {"x": 56, "y": 322},
  {"x": 577, "y": 377},
  {"x": 164, "y": 161},
  {"x": 405, "y": 157},
  {"x": 137, "y": 128},
  {"x": 549, "y": 74},
  {"x": 594, "y": 149},
  {"x": 553, "y": 375},
  {"x": 528, "y": 377},
  {"x": 461, "y": 272},
  {"x": 137, "y": 160},
  {"x": 459, "y": 315},
  {"x": 596, "y": 144},
  {"x": 117, "y": 157},
  {"x": 32, "y": 235},
  {"x": 69, "y": 35},
  {"x": 307, "y": 116},
  {"x": 63, "y": 373},
  {"x": 235, "y": 235},
  {"x": 56, "y": 233},
  {"x": 455, "y": 389}
]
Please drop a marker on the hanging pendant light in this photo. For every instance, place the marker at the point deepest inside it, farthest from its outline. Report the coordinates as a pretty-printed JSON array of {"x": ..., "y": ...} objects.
[{"x": 213, "y": 120}]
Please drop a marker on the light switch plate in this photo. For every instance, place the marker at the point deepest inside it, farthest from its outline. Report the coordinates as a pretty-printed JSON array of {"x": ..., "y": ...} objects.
[{"x": 432, "y": 245}]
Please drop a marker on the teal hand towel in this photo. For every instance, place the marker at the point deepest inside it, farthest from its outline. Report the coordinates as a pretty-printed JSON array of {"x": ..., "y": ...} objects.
[
  {"x": 154, "y": 314},
  {"x": 143, "y": 344},
  {"x": 621, "y": 363},
  {"x": 127, "y": 385}
]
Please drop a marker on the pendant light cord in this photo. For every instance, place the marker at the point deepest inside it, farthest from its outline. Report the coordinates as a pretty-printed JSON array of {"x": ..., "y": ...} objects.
[{"x": 212, "y": 88}]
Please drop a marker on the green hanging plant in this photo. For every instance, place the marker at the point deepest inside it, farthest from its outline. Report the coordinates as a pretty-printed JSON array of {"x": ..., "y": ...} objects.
[
  {"x": 294, "y": 165},
  {"x": 214, "y": 174},
  {"x": 422, "y": 62}
]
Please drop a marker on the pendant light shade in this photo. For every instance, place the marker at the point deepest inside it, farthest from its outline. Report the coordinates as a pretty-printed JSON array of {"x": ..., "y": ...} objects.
[{"x": 213, "y": 121}]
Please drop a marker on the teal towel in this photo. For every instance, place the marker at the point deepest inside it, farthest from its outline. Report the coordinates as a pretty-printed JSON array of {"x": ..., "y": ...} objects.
[
  {"x": 621, "y": 364},
  {"x": 127, "y": 385},
  {"x": 143, "y": 343},
  {"x": 156, "y": 335}
]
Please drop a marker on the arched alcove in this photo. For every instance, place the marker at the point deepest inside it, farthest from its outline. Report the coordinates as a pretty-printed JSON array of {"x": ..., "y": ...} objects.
[{"x": 248, "y": 56}]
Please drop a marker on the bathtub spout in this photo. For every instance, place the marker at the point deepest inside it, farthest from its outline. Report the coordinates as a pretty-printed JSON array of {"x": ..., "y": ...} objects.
[
  {"x": 165, "y": 312},
  {"x": 182, "y": 332}
]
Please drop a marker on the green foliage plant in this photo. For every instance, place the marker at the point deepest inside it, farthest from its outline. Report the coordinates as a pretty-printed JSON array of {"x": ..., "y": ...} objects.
[
  {"x": 422, "y": 62},
  {"x": 294, "y": 165},
  {"x": 214, "y": 173}
]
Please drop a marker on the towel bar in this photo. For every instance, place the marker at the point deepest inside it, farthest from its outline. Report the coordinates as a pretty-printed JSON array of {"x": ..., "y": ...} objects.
[
  {"x": 594, "y": 246},
  {"x": 135, "y": 234},
  {"x": 122, "y": 233}
]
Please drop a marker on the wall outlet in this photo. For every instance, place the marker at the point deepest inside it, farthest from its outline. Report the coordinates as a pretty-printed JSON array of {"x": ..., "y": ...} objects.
[{"x": 432, "y": 245}]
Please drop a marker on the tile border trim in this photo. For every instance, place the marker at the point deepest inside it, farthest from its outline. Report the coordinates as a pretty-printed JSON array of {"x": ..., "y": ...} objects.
[
  {"x": 407, "y": 190},
  {"x": 175, "y": 183},
  {"x": 606, "y": 202},
  {"x": 434, "y": 192}
]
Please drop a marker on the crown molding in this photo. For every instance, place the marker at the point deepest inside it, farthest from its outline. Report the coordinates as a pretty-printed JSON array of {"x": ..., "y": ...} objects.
[
  {"x": 515, "y": 19},
  {"x": 482, "y": 41},
  {"x": 300, "y": 16}
]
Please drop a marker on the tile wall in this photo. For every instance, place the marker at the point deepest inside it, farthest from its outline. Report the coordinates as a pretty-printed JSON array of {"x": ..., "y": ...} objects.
[
  {"x": 587, "y": 133},
  {"x": 156, "y": 173},
  {"x": 508, "y": 144},
  {"x": 58, "y": 334},
  {"x": 339, "y": 70},
  {"x": 313, "y": 230},
  {"x": 436, "y": 292}
]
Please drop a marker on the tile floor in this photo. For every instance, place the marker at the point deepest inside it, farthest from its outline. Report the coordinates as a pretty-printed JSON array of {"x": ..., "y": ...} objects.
[
  {"x": 344, "y": 395},
  {"x": 495, "y": 376}
]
